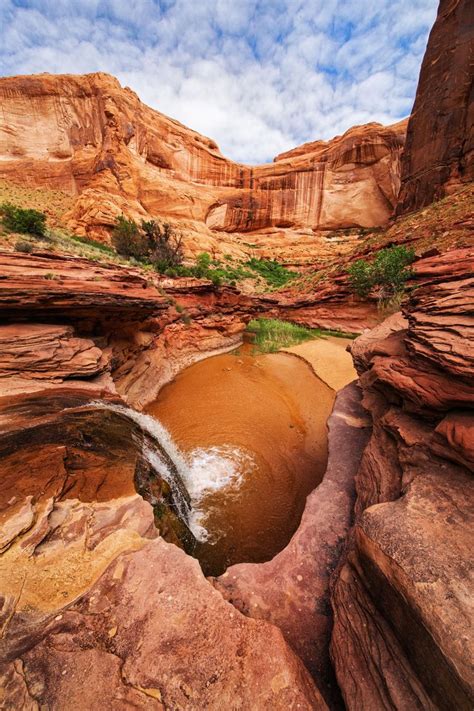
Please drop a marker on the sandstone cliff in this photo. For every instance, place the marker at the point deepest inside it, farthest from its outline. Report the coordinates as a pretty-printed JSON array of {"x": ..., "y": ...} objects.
[
  {"x": 402, "y": 599},
  {"x": 91, "y": 138},
  {"x": 97, "y": 609},
  {"x": 439, "y": 151}
]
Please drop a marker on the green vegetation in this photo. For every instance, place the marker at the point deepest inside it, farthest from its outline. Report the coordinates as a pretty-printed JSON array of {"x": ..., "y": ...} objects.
[
  {"x": 89, "y": 242},
  {"x": 271, "y": 335},
  {"x": 207, "y": 268},
  {"x": 386, "y": 275},
  {"x": 150, "y": 245},
  {"x": 18, "y": 219},
  {"x": 230, "y": 272},
  {"x": 151, "y": 242},
  {"x": 274, "y": 273}
]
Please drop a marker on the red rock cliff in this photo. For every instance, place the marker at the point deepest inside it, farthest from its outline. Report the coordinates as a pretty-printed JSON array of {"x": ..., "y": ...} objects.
[
  {"x": 439, "y": 152},
  {"x": 92, "y": 138}
]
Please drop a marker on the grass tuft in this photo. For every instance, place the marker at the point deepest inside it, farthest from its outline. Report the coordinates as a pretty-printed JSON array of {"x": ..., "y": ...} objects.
[{"x": 271, "y": 335}]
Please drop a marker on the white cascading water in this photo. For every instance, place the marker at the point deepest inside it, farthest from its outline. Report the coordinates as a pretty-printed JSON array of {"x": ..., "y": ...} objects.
[{"x": 203, "y": 472}]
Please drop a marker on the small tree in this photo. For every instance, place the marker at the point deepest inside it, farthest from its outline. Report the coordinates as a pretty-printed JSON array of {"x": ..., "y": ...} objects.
[
  {"x": 18, "y": 219},
  {"x": 386, "y": 275},
  {"x": 361, "y": 278},
  {"x": 150, "y": 241},
  {"x": 128, "y": 240},
  {"x": 165, "y": 245}
]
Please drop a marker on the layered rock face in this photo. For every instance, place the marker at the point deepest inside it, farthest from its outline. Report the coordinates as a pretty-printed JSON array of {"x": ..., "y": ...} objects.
[
  {"x": 96, "y": 608},
  {"x": 91, "y": 138},
  {"x": 402, "y": 598},
  {"x": 439, "y": 151}
]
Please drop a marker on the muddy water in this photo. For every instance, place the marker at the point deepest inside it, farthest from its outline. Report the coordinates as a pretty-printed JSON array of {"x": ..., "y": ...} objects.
[{"x": 253, "y": 429}]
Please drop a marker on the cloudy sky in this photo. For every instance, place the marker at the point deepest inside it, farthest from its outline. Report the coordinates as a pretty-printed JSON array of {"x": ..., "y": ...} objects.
[{"x": 257, "y": 76}]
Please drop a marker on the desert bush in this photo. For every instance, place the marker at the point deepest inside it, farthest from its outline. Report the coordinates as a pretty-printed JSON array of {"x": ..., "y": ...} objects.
[
  {"x": 27, "y": 221},
  {"x": 128, "y": 239},
  {"x": 165, "y": 244},
  {"x": 274, "y": 273},
  {"x": 23, "y": 246},
  {"x": 361, "y": 277},
  {"x": 385, "y": 276},
  {"x": 151, "y": 241}
]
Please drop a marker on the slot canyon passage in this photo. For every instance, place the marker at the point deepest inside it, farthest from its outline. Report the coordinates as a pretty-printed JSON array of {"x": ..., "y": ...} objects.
[{"x": 191, "y": 521}]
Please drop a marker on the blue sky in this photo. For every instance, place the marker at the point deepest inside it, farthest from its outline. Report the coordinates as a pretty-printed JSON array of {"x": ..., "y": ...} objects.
[{"x": 257, "y": 76}]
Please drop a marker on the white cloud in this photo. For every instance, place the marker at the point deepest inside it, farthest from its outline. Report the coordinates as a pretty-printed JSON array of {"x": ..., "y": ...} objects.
[{"x": 257, "y": 76}]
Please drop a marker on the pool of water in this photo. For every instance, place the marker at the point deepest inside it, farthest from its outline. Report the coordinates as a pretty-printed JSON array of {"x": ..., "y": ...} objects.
[{"x": 253, "y": 431}]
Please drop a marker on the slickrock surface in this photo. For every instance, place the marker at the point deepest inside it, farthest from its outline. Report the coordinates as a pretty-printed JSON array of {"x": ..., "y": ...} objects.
[
  {"x": 151, "y": 633},
  {"x": 97, "y": 610},
  {"x": 48, "y": 351},
  {"x": 92, "y": 139},
  {"x": 292, "y": 590},
  {"x": 402, "y": 600},
  {"x": 439, "y": 152}
]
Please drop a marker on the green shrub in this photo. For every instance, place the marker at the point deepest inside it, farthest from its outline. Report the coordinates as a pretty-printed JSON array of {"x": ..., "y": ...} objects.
[
  {"x": 151, "y": 241},
  {"x": 386, "y": 275},
  {"x": 274, "y": 273},
  {"x": 128, "y": 239},
  {"x": 18, "y": 219},
  {"x": 361, "y": 278},
  {"x": 165, "y": 245}
]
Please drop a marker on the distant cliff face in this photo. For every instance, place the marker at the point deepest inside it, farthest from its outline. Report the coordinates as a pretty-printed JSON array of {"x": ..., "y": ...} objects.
[
  {"x": 88, "y": 136},
  {"x": 439, "y": 152}
]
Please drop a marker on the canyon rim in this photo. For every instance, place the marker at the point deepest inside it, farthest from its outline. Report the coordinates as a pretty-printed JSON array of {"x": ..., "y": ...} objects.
[{"x": 135, "y": 396}]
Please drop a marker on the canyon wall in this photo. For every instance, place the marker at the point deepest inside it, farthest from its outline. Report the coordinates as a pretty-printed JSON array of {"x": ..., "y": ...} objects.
[
  {"x": 439, "y": 151},
  {"x": 93, "y": 139},
  {"x": 97, "y": 609},
  {"x": 402, "y": 597}
]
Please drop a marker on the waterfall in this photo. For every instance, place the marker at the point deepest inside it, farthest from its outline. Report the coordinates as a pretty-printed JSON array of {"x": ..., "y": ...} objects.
[
  {"x": 191, "y": 478},
  {"x": 165, "y": 458}
]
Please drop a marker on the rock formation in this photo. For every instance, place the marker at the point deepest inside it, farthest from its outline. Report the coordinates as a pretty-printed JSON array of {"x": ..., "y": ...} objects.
[
  {"x": 292, "y": 590},
  {"x": 402, "y": 599},
  {"x": 89, "y": 137},
  {"x": 439, "y": 151},
  {"x": 371, "y": 602},
  {"x": 77, "y": 542}
]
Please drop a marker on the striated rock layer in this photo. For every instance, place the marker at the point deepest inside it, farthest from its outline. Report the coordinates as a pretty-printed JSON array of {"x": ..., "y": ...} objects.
[
  {"x": 89, "y": 137},
  {"x": 439, "y": 151},
  {"x": 402, "y": 599},
  {"x": 96, "y": 608}
]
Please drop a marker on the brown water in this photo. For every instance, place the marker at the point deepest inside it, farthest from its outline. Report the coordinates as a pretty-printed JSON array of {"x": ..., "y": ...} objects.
[{"x": 253, "y": 429}]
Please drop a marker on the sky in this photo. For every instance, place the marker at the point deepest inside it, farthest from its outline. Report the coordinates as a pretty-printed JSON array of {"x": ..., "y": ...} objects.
[{"x": 257, "y": 76}]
